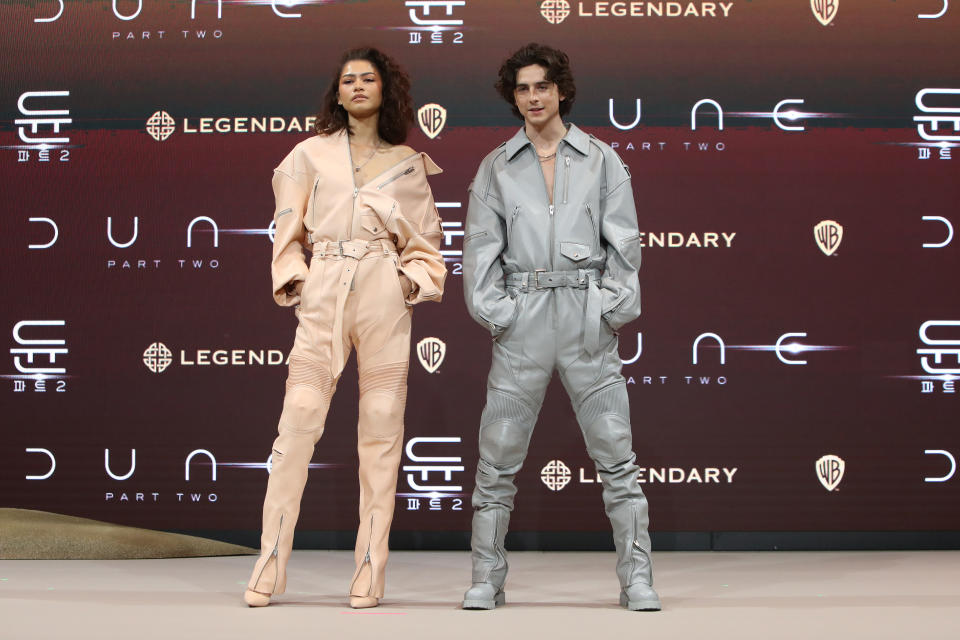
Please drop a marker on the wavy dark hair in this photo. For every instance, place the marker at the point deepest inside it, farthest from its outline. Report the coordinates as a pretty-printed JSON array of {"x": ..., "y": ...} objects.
[
  {"x": 557, "y": 64},
  {"x": 396, "y": 110}
]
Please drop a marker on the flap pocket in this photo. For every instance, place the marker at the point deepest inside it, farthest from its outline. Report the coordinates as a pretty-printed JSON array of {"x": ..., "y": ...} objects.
[
  {"x": 371, "y": 222},
  {"x": 575, "y": 251}
]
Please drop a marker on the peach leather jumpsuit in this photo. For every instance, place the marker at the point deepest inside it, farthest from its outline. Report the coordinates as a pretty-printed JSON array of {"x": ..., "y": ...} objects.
[{"x": 362, "y": 238}]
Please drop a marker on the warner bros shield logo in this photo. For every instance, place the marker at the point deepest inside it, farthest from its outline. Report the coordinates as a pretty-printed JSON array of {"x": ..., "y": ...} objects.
[
  {"x": 825, "y": 10},
  {"x": 828, "y": 234},
  {"x": 431, "y": 117},
  {"x": 830, "y": 471},
  {"x": 431, "y": 352}
]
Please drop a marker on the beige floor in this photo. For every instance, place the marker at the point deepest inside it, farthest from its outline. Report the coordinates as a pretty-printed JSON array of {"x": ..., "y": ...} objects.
[{"x": 706, "y": 596}]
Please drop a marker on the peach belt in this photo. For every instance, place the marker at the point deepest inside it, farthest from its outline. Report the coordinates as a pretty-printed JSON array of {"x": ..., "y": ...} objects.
[{"x": 349, "y": 252}]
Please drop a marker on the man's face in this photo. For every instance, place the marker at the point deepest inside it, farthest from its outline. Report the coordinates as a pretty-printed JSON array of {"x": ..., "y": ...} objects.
[{"x": 538, "y": 99}]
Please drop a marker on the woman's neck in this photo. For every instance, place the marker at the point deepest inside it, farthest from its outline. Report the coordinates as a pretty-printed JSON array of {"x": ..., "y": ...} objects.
[{"x": 364, "y": 130}]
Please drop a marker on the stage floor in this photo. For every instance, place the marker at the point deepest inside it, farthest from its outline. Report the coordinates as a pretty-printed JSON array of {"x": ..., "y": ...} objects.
[{"x": 706, "y": 595}]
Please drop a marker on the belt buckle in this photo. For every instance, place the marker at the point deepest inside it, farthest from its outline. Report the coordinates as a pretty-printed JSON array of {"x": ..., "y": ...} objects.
[
  {"x": 340, "y": 247},
  {"x": 536, "y": 278}
]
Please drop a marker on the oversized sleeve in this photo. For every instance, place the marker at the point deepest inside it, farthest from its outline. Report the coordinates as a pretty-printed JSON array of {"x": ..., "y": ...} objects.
[
  {"x": 620, "y": 286},
  {"x": 484, "y": 240},
  {"x": 290, "y": 189},
  {"x": 410, "y": 214}
]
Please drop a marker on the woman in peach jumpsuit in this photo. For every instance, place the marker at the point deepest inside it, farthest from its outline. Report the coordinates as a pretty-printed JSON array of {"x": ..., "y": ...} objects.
[{"x": 360, "y": 202}]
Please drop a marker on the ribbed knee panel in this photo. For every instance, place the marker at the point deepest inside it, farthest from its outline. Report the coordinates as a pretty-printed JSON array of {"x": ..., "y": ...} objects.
[
  {"x": 505, "y": 428},
  {"x": 604, "y": 418},
  {"x": 383, "y": 398},
  {"x": 309, "y": 389}
]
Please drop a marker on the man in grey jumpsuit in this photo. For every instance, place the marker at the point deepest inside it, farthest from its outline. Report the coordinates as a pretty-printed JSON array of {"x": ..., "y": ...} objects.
[{"x": 551, "y": 252}]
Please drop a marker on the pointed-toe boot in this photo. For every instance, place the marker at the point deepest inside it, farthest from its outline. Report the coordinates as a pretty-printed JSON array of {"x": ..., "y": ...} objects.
[{"x": 256, "y": 598}]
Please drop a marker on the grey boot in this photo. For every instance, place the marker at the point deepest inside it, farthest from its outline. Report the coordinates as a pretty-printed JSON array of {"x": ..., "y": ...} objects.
[
  {"x": 506, "y": 425},
  {"x": 626, "y": 507},
  {"x": 489, "y": 559}
]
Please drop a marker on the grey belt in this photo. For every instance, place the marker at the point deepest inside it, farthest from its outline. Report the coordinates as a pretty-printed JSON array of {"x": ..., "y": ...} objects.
[{"x": 580, "y": 279}]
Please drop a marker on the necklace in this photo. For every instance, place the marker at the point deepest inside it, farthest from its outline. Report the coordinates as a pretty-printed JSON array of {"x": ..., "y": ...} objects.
[
  {"x": 545, "y": 158},
  {"x": 369, "y": 158}
]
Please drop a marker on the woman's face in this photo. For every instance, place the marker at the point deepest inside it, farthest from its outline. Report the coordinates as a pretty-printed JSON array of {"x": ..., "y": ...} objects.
[{"x": 360, "y": 90}]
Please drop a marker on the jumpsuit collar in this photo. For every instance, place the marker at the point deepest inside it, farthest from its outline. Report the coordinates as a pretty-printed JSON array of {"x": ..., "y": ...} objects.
[{"x": 575, "y": 137}]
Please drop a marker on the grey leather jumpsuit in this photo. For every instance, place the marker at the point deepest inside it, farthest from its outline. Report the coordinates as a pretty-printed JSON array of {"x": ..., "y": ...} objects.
[{"x": 552, "y": 283}]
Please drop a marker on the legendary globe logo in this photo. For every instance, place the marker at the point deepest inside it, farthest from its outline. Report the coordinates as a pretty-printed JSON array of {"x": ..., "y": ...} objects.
[
  {"x": 825, "y": 10},
  {"x": 555, "y": 475},
  {"x": 431, "y": 117},
  {"x": 555, "y": 11},
  {"x": 157, "y": 357},
  {"x": 161, "y": 126}
]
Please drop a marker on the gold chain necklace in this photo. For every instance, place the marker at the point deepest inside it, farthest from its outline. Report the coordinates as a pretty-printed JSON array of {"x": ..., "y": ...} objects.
[{"x": 369, "y": 158}]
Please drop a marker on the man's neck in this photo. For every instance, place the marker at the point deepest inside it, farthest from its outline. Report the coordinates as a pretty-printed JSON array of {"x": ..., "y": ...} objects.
[
  {"x": 548, "y": 135},
  {"x": 364, "y": 130}
]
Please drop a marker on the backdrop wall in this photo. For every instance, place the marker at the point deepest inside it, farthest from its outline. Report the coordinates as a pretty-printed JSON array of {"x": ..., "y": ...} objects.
[{"x": 795, "y": 170}]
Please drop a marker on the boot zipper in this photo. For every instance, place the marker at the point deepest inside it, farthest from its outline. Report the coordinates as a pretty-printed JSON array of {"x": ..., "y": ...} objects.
[
  {"x": 366, "y": 561},
  {"x": 275, "y": 554},
  {"x": 496, "y": 538},
  {"x": 407, "y": 172}
]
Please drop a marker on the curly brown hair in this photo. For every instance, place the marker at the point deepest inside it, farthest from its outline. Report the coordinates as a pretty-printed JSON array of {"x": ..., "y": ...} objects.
[
  {"x": 396, "y": 110},
  {"x": 557, "y": 64}
]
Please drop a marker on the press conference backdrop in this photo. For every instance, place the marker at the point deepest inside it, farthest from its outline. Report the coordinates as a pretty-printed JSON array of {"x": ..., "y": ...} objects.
[{"x": 795, "y": 169}]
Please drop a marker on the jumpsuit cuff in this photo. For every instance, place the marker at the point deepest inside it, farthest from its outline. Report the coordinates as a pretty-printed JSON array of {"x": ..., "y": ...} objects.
[
  {"x": 611, "y": 301},
  {"x": 287, "y": 296},
  {"x": 424, "y": 288}
]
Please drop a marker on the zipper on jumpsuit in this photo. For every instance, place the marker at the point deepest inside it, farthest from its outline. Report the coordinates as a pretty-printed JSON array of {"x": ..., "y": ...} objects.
[
  {"x": 396, "y": 177},
  {"x": 356, "y": 189},
  {"x": 596, "y": 230},
  {"x": 366, "y": 561},
  {"x": 275, "y": 554},
  {"x": 313, "y": 212},
  {"x": 512, "y": 221},
  {"x": 551, "y": 198}
]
